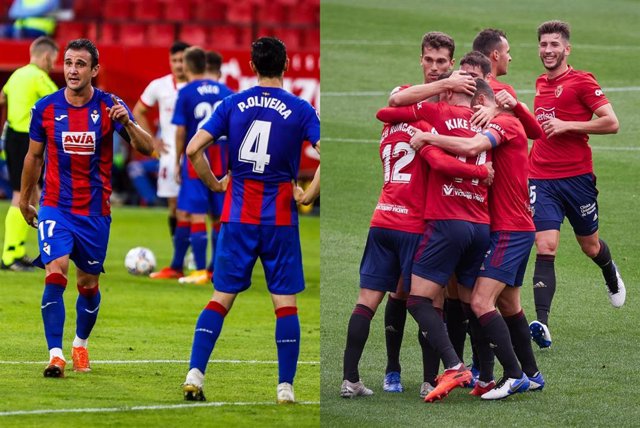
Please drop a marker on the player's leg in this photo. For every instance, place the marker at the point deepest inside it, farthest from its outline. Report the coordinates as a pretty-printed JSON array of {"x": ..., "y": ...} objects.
[
  {"x": 430, "y": 357},
  {"x": 287, "y": 343},
  {"x": 172, "y": 219},
  {"x": 87, "y": 308},
  {"x": 168, "y": 187},
  {"x": 598, "y": 250},
  {"x": 455, "y": 317},
  {"x": 198, "y": 240},
  {"x": 237, "y": 254},
  {"x": 395, "y": 316}
]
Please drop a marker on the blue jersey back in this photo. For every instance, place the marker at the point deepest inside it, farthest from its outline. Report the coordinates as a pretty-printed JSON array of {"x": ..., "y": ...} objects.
[
  {"x": 196, "y": 102},
  {"x": 265, "y": 129}
]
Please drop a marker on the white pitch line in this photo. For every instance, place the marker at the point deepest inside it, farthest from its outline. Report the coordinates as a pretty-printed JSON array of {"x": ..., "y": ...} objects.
[
  {"x": 518, "y": 91},
  {"x": 164, "y": 362},
  {"x": 365, "y": 141},
  {"x": 139, "y": 408}
]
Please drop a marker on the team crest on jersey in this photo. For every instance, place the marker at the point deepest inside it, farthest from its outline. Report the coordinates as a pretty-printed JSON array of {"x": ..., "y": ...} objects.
[
  {"x": 95, "y": 116},
  {"x": 558, "y": 91},
  {"x": 79, "y": 143}
]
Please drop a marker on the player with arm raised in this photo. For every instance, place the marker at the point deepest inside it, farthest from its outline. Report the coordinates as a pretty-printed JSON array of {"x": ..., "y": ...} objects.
[
  {"x": 265, "y": 127},
  {"x": 71, "y": 134},
  {"x": 562, "y": 183},
  {"x": 163, "y": 92}
]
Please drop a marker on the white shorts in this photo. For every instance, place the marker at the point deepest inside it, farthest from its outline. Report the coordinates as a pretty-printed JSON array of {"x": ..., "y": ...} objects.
[{"x": 167, "y": 185}]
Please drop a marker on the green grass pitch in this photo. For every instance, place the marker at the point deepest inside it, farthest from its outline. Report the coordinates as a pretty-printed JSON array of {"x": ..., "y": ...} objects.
[
  {"x": 143, "y": 320},
  {"x": 592, "y": 370}
]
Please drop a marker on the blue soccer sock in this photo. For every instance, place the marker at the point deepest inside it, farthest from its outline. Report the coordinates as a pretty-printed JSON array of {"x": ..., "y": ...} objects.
[
  {"x": 287, "y": 342},
  {"x": 53, "y": 309},
  {"x": 207, "y": 331},
  {"x": 87, "y": 307},
  {"x": 198, "y": 241},
  {"x": 215, "y": 231},
  {"x": 180, "y": 244}
]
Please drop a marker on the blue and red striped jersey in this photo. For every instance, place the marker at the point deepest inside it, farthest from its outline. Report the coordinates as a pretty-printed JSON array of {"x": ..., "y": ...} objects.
[
  {"x": 78, "y": 151},
  {"x": 265, "y": 129},
  {"x": 195, "y": 103}
]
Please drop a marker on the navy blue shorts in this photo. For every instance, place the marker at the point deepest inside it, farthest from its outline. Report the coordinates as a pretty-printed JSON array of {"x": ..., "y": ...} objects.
[
  {"x": 506, "y": 260},
  {"x": 388, "y": 256},
  {"x": 573, "y": 197},
  {"x": 239, "y": 246},
  {"x": 451, "y": 246},
  {"x": 193, "y": 196},
  {"x": 83, "y": 238}
]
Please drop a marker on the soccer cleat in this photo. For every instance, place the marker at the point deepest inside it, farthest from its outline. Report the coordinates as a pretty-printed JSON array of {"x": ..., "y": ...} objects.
[
  {"x": 448, "y": 381},
  {"x": 392, "y": 382},
  {"x": 166, "y": 273},
  {"x": 197, "y": 277},
  {"x": 80, "y": 357},
  {"x": 481, "y": 387},
  {"x": 55, "y": 367},
  {"x": 354, "y": 389},
  {"x": 540, "y": 334},
  {"x": 507, "y": 387},
  {"x": 475, "y": 372},
  {"x": 425, "y": 389},
  {"x": 285, "y": 393},
  {"x": 17, "y": 266},
  {"x": 536, "y": 382},
  {"x": 618, "y": 293},
  {"x": 193, "y": 392}
]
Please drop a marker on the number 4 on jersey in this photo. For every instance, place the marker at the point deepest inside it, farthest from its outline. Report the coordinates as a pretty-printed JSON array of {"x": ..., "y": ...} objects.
[{"x": 254, "y": 146}]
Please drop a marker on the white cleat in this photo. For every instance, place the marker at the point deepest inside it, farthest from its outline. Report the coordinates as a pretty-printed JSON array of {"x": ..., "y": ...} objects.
[
  {"x": 540, "y": 334},
  {"x": 357, "y": 389},
  {"x": 507, "y": 387},
  {"x": 425, "y": 389},
  {"x": 285, "y": 393},
  {"x": 617, "y": 299}
]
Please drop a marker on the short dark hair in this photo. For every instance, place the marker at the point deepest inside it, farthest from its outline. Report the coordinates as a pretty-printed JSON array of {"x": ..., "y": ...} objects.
[
  {"x": 477, "y": 59},
  {"x": 87, "y": 45},
  {"x": 437, "y": 40},
  {"x": 42, "y": 44},
  {"x": 482, "y": 88},
  {"x": 488, "y": 40},
  {"x": 269, "y": 56},
  {"x": 214, "y": 62},
  {"x": 178, "y": 46},
  {"x": 195, "y": 60},
  {"x": 555, "y": 26}
]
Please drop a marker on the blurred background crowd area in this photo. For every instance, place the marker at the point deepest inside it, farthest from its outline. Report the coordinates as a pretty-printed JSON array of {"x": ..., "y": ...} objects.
[{"x": 134, "y": 36}]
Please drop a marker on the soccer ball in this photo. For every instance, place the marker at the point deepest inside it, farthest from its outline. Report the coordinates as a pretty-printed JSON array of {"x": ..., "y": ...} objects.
[{"x": 140, "y": 261}]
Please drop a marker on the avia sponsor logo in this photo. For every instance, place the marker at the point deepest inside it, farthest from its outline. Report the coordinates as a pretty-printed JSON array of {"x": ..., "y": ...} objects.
[
  {"x": 79, "y": 143},
  {"x": 392, "y": 208},
  {"x": 451, "y": 190},
  {"x": 588, "y": 209},
  {"x": 544, "y": 114}
]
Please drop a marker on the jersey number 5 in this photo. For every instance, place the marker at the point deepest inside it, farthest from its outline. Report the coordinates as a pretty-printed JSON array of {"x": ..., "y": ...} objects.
[{"x": 254, "y": 145}]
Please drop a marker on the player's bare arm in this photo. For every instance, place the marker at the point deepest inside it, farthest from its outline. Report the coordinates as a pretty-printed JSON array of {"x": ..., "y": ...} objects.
[
  {"x": 140, "y": 139},
  {"x": 181, "y": 135},
  {"x": 457, "y": 82},
  {"x": 306, "y": 197},
  {"x": 195, "y": 151},
  {"x": 606, "y": 122},
  {"x": 140, "y": 114},
  {"x": 33, "y": 162}
]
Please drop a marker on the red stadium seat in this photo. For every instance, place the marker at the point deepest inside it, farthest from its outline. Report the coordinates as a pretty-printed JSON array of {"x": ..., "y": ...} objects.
[
  {"x": 70, "y": 30},
  {"x": 224, "y": 37},
  {"x": 108, "y": 34},
  {"x": 116, "y": 9},
  {"x": 86, "y": 9},
  {"x": 245, "y": 38},
  {"x": 312, "y": 40},
  {"x": 271, "y": 13},
  {"x": 147, "y": 10},
  {"x": 304, "y": 14},
  {"x": 240, "y": 13},
  {"x": 161, "y": 34},
  {"x": 209, "y": 11},
  {"x": 132, "y": 34},
  {"x": 178, "y": 11},
  {"x": 92, "y": 31},
  {"x": 292, "y": 38},
  {"x": 194, "y": 34}
]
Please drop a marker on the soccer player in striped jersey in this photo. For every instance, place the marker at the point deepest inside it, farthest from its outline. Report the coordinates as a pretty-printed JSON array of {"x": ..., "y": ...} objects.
[
  {"x": 195, "y": 104},
  {"x": 265, "y": 127},
  {"x": 71, "y": 133}
]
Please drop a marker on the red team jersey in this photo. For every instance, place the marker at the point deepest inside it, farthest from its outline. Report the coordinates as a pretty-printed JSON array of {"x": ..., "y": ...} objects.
[
  {"x": 572, "y": 96},
  {"x": 401, "y": 202},
  {"x": 448, "y": 198},
  {"x": 498, "y": 86},
  {"x": 509, "y": 193}
]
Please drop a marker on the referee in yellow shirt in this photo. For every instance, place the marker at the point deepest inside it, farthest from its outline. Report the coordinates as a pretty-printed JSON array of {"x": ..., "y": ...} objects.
[{"x": 23, "y": 89}]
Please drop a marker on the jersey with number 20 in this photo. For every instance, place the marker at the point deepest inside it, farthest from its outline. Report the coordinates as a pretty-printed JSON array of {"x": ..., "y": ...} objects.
[{"x": 265, "y": 129}]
